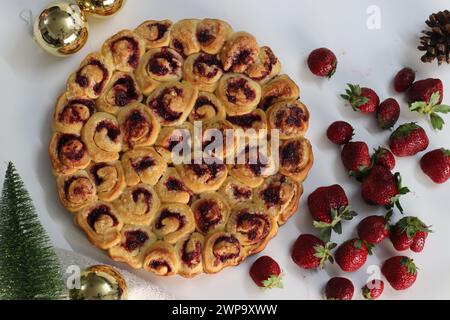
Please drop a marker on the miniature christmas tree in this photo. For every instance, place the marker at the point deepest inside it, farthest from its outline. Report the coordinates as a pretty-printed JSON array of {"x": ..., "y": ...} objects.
[{"x": 29, "y": 267}]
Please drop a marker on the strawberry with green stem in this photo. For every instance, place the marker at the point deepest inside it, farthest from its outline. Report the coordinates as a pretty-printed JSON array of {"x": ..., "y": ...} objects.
[
  {"x": 364, "y": 100},
  {"x": 310, "y": 252},
  {"x": 266, "y": 273}
]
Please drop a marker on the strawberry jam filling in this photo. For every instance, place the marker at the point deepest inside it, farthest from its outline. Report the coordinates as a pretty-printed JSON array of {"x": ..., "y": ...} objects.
[
  {"x": 245, "y": 121},
  {"x": 205, "y": 36},
  {"x": 173, "y": 184},
  {"x": 268, "y": 64},
  {"x": 94, "y": 172},
  {"x": 160, "y": 107},
  {"x": 241, "y": 193},
  {"x": 292, "y": 117},
  {"x": 143, "y": 164},
  {"x": 237, "y": 86},
  {"x": 160, "y": 28},
  {"x": 192, "y": 258},
  {"x": 136, "y": 127},
  {"x": 70, "y": 147},
  {"x": 208, "y": 215},
  {"x": 201, "y": 102},
  {"x": 99, "y": 212},
  {"x": 133, "y": 47},
  {"x": 134, "y": 240},
  {"x": 163, "y": 63},
  {"x": 71, "y": 112},
  {"x": 244, "y": 57},
  {"x": 291, "y": 154},
  {"x": 159, "y": 264},
  {"x": 212, "y": 170},
  {"x": 83, "y": 81},
  {"x": 113, "y": 131},
  {"x": 233, "y": 252},
  {"x": 271, "y": 195},
  {"x": 143, "y": 194},
  {"x": 254, "y": 226},
  {"x": 125, "y": 91},
  {"x": 204, "y": 61},
  {"x": 167, "y": 214}
]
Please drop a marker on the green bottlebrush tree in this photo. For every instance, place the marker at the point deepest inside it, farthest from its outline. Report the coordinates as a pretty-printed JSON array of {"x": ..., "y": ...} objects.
[{"x": 29, "y": 267}]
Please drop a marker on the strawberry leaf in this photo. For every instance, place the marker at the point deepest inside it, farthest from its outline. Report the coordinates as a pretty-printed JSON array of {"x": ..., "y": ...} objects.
[
  {"x": 325, "y": 234},
  {"x": 274, "y": 281},
  {"x": 419, "y": 106},
  {"x": 434, "y": 99},
  {"x": 338, "y": 228},
  {"x": 441, "y": 108},
  {"x": 436, "y": 121}
]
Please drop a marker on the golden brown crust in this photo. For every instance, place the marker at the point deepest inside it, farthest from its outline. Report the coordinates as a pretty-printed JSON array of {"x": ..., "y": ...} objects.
[
  {"x": 102, "y": 137},
  {"x": 235, "y": 191},
  {"x": 203, "y": 71},
  {"x": 144, "y": 165},
  {"x": 291, "y": 118},
  {"x": 212, "y": 34},
  {"x": 138, "y": 126},
  {"x": 174, "y": 137},
  {"x": 68, "y": 154},
  {"x": 280, "y": 88},
  {"x": 238, "y": 93},
  {"x": 108, "y": 178},
  {"x": 171, "y": 188},
  {"x": 207, "y": 108},
  {"x": 157, "y": 66},
  {"x": 173, "y": 221},
  {"x": 125, "y": 50},
  {"x": 70, "y": 115},
  {"x": 189, "y": 250},
  {"x": 266, "y": 66},
  {"x": 133, "y": 246},
  {"x": 76, "y": 191},
  {"x": 162, "y": 259},
  {"x": 121, "y": 91},
  {"x": 183, "y": 37},
  {"x": 156, "y": 34},
  {"x": 239, "y": 52},
  {"x": 222, "y": 250},
  {"x": 211, "y": 211},
  {"x": 203, "y": 177},
  {"x": 101, "y": 223},
  {"x": 296, "y": 158}
]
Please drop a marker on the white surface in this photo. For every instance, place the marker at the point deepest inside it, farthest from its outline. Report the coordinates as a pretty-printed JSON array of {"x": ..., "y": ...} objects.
[{"x": 31, "y": 81}]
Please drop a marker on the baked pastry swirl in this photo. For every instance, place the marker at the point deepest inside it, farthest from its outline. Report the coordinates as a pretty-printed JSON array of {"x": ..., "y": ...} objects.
[
  {"x": 138, "y": 165},
  {"x": 121, "y": 91}
]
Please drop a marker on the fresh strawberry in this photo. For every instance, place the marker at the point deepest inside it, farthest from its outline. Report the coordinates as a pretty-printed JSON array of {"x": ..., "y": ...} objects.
[
  {"x": 329, "y": 206},
  {"x": 322, "y": 62},
  {"x": 266, "y": 273},
  {"x": 383, "y": 157},
  {"x": 436, "y": 165},
  {"x": 400, "y": 272},
  {"x": 404, "y": 79},
  {"x": 381, "y": 187},
  {"x": 363, "y": 99},
  {"x": 373, "y": 289},
  {"x": 388, "y": 113},
  {"x": 356, "y": 158},
  {"x": 425, "y": 97},
  {"x": 339, "y": 288},
  {"x": 309, "y": 252},
  {"x": 340, "y": 132},
  {"x": 352, "y": 254},
  {"x": 374, "y": 229},
  {"x": 408, "y": 140},
  {"x": 409, "y": 233}
]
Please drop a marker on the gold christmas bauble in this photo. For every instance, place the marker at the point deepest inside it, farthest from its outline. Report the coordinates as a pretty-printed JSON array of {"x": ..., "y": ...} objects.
[
  {"x": 101, "y": 8},
  {"x": 61, "y": 29},
  {"x": 100, "y": 283}
]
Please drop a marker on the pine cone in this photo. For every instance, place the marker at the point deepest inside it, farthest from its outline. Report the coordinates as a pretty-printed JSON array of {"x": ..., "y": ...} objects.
[{"x": 436, "y": 42}]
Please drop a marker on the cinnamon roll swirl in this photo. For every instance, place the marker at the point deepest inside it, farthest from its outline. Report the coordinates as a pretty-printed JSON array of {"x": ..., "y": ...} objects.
[
  {"x": 159, "y": 65},
  {"x": 225, "y": 146},
  {"x": 68, "y": 154},
  {"x": 190, "y": 251},
  {"x": 138, "y": 205},
  {"x": 173, "y": 222},
  {"x": 125, "y": 50},
  {"x": 102, "y": 137},
  {"x": 266, "y": 66},
  {"x": 211, "y": 212},
  {"x": 144, "y": 165},
  {"x": 101, "y": 223},
  {"x": 221, "y": 250},
  {"x": 239, "y": 94},
  {"x": 172, "y": 137},
  {"x": 121, "y": 91},
  {"x": 212, "y": 34},
  {"x": 183, "y": 37},
  {"x": 155, "y": 33},
  {"x": 235, "y": 191},
  {"x": 92, "y": 77},
  {"x": 133, "y": 246},
  {"x": 76, "y": 191},
  {"x": 71, "y": 114},
  {"x": 296, "y": 158},
  {"x": 171, "y": 188},
  {"x": 291, "y": 118},
  {"x": 203, "y": 177},
  {"x": 239, "y": 52},
  {"x": 252, "y": 226},
  {"x": 162, "y": 259},
  {"x": 255, "y": 120},
  {"x": 171, "y": 103},
  {"x": 109, "y": 179},
  {"x": 138, "y": 126},
  {"x": 279, "y": 196},
  {"x": 207, "y": 108},
  {"x": 203, "y": 71},
  {"x": 278, "y": 89}
]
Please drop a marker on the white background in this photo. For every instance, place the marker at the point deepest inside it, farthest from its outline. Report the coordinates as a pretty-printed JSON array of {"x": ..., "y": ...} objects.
[{"x": 30, "y": 81}]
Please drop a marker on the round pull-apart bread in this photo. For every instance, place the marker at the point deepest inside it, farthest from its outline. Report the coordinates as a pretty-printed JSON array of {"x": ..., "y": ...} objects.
[{"x": 128, "y": 106}]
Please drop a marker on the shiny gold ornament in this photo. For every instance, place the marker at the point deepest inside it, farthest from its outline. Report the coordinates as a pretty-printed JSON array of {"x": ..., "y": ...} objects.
[
  {"x": 100, "y": 283},
  {"x": 61, "y": 29},
  {"x": 101, "y": 8}
]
